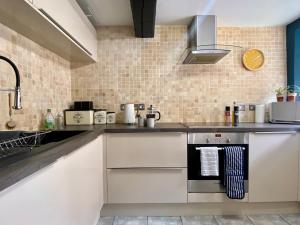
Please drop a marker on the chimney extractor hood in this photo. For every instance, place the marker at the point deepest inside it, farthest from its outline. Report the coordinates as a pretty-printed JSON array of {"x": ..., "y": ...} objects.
[{"x": 202, "y": 41}]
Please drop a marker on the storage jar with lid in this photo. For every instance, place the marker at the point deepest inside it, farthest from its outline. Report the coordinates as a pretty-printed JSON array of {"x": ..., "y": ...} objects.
[{"x": 100, "y": 116}]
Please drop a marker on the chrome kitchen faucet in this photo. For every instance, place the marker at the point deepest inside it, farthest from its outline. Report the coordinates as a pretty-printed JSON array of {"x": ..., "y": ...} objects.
[{"x": 17, "y": 89}]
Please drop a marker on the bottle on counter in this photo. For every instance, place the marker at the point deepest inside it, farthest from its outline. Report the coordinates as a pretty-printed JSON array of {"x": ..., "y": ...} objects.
[
  {"x": 227, "y": 115},
  {"x": 235, "y": 115},
  {"x": 49, "y": 120},
  {"x": 59, "y": 121}
]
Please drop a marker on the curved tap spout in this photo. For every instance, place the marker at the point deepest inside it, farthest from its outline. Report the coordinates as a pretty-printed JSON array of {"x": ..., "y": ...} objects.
[{"x": 17, "y": 90}]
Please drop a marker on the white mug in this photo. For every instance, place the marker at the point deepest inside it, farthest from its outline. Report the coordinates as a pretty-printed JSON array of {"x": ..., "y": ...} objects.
[{"x": 150, "y": 122}]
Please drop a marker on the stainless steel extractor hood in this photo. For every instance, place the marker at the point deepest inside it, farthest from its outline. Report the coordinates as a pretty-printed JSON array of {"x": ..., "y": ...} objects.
[{"x": 202, "y": 41}]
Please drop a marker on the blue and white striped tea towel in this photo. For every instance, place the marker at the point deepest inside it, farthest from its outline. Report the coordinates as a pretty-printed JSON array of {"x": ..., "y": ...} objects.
[{"x": 234, "y": 172}]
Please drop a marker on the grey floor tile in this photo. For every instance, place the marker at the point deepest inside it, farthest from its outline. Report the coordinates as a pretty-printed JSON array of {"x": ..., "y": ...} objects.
[
  {"x": 158, "y": 220},
  {"x": 106, "y": 220},
  {"x": 267, "y": 220},
  {"x": 292, "y": 219},
  {"x": 199, "y": 220},
  {"x": 233, "y": 220},
  {"x": 130, "y": 220}
]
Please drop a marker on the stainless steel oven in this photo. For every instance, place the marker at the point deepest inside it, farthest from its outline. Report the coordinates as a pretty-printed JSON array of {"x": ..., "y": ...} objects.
[{"x": 213, "y": 184}]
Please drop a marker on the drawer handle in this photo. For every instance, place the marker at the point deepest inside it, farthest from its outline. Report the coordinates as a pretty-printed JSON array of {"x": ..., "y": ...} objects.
[
  {"x": 277, "y": 132},
  {"x": 145, "y": 168}
]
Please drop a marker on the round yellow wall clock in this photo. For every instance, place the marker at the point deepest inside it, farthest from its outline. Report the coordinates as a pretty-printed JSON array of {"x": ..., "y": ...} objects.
[{"x": 253, "y": 59}]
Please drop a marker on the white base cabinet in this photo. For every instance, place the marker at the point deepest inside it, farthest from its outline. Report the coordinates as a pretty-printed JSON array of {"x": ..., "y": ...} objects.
[
  {"x": 68, "y": 192},
  {"x": 147, "y": 185},
  {"x": 147, "y": 150},
  {"x": 147, "y": 168},
  {"x": 273, "y": 166}
]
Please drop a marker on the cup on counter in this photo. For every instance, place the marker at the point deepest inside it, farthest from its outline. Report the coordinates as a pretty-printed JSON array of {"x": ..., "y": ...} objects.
[{"x": 141, "y": 121}]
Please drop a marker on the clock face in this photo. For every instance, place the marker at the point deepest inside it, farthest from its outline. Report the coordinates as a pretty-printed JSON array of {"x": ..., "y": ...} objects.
[{"x": 253, "y": 59}]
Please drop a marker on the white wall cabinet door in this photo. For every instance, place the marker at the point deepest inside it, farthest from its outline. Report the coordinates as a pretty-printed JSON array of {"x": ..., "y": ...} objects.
[
  {"x": 273, "y": 166},
  {"x": 147, "y": 185},
  {"x": 70, "y": 17},
  {"x": 68, "y": 192}
]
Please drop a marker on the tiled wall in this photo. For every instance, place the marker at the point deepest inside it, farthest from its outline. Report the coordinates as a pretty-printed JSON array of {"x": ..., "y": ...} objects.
[
  {"x": 137, "y": 70},
  {"x": 148, "y": 71},
  {"x": 45, "y": 80}
]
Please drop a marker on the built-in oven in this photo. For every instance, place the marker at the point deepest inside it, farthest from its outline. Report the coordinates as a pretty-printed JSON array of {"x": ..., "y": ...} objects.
[{"x": 213, "y": 184}]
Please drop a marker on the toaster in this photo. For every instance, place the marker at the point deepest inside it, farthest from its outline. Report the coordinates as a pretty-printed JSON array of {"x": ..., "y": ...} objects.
[
  {"x": 285, "y": 112},
  {"x": 74, "y": 117}
]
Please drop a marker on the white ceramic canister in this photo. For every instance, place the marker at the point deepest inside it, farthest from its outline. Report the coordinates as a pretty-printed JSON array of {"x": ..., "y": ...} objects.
[
  {"x": 111, "y": 117},
  {"x": 259, "y": 113},
  {"x": 100, "y": 116}
]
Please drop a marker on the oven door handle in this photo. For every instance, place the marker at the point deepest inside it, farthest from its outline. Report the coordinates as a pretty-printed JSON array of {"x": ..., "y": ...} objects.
[
  {"x": 219, "y": 149},
  {"x": 199, "y": 148}
]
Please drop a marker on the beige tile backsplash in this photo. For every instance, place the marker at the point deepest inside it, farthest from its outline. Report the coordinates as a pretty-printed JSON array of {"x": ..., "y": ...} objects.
[
  {"x": 148, "y": 71},
  {"x": 45, "y": 80}
]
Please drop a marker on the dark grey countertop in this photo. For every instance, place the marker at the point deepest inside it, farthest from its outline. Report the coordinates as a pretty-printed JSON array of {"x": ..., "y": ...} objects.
[
  {"x": 123, "y": 128},
  {"x": 242, "y": 127},
  {"x": 14, "y": 172}
]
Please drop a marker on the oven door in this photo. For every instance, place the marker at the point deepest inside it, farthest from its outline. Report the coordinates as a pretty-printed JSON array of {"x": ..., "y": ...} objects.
[{"x": 209, "y": 184}]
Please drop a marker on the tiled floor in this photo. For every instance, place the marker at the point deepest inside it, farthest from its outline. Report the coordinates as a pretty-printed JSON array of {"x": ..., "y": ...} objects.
[{"x": 285, "y": 219}]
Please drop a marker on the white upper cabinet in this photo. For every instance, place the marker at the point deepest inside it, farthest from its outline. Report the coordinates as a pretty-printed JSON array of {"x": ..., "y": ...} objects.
[
  {"x": 273, "y": 166},
  {"x": 70, "y": 18},
  {"x": 59, "y": 26}
]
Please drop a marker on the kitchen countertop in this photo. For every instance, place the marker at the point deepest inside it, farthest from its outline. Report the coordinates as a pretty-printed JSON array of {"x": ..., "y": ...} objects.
[
  {"x": 242, "y": 127},
  {"x": 123, "y": 128},
  {"x": 13, "y": 172}
]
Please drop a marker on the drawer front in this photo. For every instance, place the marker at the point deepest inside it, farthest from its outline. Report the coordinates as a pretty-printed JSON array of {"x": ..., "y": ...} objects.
[
  {"x": 147, "y": 150},
  {"x": 167, "y": 185}
]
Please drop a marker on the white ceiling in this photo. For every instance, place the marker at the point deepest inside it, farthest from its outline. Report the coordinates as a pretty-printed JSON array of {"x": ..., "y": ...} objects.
[{"x": 229, "y": 12}]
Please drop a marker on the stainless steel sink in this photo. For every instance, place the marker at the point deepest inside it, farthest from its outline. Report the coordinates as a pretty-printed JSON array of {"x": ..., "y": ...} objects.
[{"x": 13, "y": 143}]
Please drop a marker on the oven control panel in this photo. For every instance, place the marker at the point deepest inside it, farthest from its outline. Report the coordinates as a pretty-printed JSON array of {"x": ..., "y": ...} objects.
[{"x": 218, "y": 138}]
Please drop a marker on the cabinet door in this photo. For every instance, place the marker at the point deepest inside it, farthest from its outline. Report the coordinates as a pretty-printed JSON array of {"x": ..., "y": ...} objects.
[
  {"x": 67, "y": 192},
  {"x": 84, "y": 181},
  {"x": 69, "y": 16},
  {"x": 147, "y": 150},
  {"x": 148, "y": 185},
  {"x": 273, "y": 167}
]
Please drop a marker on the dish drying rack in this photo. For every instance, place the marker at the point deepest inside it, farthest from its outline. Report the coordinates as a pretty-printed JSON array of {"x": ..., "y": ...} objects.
[{"x": 21, "y": 144}]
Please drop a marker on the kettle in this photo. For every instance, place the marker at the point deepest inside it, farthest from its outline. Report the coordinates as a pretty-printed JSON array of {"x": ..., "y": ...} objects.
[{"x": 129, "y": 114}]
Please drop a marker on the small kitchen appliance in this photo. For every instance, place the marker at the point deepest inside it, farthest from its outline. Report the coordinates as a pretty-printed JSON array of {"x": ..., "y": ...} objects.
[
  {"x": 285, "y": 112},
  {"x": 197, "y": 183},
  {"x": 129, "y": 114},
  {"x": 83, "y": 105}
]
